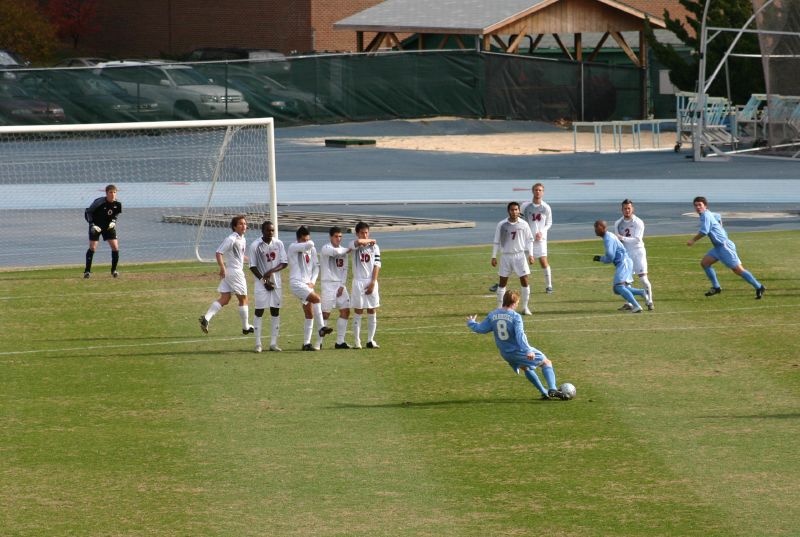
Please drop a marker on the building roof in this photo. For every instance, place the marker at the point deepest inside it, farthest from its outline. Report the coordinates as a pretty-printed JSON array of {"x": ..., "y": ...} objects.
[{"x": 454, "y": 16}]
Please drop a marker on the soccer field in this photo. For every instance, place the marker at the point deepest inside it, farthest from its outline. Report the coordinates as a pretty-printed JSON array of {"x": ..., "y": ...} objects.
[{"x": 119, "y": 417}]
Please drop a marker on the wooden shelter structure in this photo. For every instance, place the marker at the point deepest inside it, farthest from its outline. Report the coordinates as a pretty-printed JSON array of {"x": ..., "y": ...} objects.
[{"x": 502, "y": 23}]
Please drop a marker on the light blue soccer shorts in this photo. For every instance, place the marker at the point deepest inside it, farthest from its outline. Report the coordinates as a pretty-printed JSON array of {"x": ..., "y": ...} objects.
[
  {"x": 623, "y": 273},
  {"x": 726, "y": 253},
  {"x": 520, "y": 360}
]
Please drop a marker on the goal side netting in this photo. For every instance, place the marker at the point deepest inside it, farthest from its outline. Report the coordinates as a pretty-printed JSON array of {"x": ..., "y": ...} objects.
[
  {"x": 179, "y": 182},
  {"x": 778, "y": 23}
]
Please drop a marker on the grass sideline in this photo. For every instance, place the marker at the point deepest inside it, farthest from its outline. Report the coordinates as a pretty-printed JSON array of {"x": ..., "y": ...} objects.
[{"x": 118, "y": 417}]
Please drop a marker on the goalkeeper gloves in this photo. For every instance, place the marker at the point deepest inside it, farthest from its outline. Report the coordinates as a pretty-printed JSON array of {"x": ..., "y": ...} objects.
[
  {"x": 112, "y": 225},
  {"x": 96, "y": 229},
  {"x": 596, "y": 258}
]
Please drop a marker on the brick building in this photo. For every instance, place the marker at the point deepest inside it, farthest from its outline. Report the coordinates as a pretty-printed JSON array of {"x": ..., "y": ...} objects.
[{"x": 149, "y": 28}]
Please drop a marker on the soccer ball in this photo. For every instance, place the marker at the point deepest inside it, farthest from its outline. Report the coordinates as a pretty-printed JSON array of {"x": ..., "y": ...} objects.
[{"x": 568, "y": 390}]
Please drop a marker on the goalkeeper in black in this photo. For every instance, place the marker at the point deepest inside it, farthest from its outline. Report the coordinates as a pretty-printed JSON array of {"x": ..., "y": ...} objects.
[{"x": 102, "y": 218}]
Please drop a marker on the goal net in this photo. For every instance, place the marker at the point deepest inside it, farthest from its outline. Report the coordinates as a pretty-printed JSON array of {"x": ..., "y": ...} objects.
[
  {"x": 179, "y": 182},
  {"x": 778, "y": 25}
]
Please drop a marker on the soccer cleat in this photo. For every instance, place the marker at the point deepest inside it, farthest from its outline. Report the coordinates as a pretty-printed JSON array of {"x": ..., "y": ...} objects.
[
  {"x": 637, "y": 310},
  {"x": 760, "y": 292},
  {"x": 249, "y": 330},
  {"x": 87, "y": 275},
  {"x": 258, "y": 348},
  {"x": 373, "y": 345},
  {"x": 526, "y": 311},
  {"x": 493, "y": 288},
  {"x": 342, "y": 345},
  {"x": 545, "y": 397},
  {"x": 325, "y": 330},
  {"x": 548, "y": 290},
  {"x": 650, "y": 306},
  {"x": 204, "y": 324},
  {"x": 275, "y": 348},
  {"x": 625, "y": 307},
  {"x": 308, "y": 347},
  {"x": 357, "y": 345},
  {"x": 115, "y": 274},
  {"x": 714, "y": 291},
  {"x": 557, "y": 394}
]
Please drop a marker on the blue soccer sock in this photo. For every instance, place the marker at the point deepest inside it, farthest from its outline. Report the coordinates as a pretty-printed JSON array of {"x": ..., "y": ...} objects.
[
  {"x": 625, "y": 293},
  {"x": 549, "y": 376},
  {"x": 748, "y": 276},
  {"x": 712, "y": 275},
  {"x": 531, "y": 375}
]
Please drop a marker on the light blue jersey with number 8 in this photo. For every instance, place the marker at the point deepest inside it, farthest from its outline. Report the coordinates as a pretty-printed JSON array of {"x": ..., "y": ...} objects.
[{"x": 509, "y": 333}]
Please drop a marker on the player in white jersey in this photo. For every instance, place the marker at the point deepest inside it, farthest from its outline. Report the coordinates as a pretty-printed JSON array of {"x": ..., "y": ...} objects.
[
  {"x": 303, "y": 273},
  {"x": 366, "y": 292},
  {"x": 630, "y": 231},
  {"x": 230, "y": 258},
  {"x": 267, "y": 258},
  {"x": 514, "y": 239},
  {"x": 539, "y": 217}
]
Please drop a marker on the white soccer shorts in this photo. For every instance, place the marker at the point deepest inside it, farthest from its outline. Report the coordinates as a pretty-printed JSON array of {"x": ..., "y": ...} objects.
[
  {"x": 266, "y": 299},
  {"x": 540, "y": 248},
  {"x": 361, "y": 300},
  {"x": 329, "y": 299},
  {"x": 301, "y": 290},
  {"x": 639, "y": 258},
  {"x": 233, "y": 282},
  {"x": 514, "y": 263}
]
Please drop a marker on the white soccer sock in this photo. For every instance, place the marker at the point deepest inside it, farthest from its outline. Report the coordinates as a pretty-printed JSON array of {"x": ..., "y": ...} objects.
[
  {"x": 213, "y": 310},
  {"x": 525, "y": 296},
  {"x": 372, "y": 325},
  {"x": 244, "y": 315},
  {"x": 647, "y": 287},
  {"x": 276, "y": 327},
  {"x": 257, "y": 324},
  {"x": 501, "y": 291},
  {"x": 341, "y": 329},
  {"x": 548, "y": 277},
  {"x": 316, "y": 310},
  {"x": 357, "y": 328},
  {"x": 308, "y": 327}
]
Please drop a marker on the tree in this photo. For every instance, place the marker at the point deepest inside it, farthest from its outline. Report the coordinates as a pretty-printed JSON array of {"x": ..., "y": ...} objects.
[
  {"x": 746, "y": 74},
  {"x": 74, "y": 18},
  {"x": 25, "y": 30}
]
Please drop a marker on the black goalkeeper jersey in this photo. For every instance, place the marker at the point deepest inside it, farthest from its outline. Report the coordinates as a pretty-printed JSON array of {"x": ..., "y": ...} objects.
[{"x": 102, "y": 212}]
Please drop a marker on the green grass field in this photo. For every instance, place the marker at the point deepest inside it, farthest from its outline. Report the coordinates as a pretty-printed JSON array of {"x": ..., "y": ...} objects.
[{"x": 119, "y": 418}]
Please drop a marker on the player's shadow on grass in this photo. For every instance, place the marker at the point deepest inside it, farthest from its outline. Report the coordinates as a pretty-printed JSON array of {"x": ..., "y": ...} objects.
[
  {"x": 434, "y": 404},
  {"x": 785, "y": 416}
]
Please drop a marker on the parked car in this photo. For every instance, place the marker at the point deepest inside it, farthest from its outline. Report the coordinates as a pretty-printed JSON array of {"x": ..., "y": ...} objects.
[
  {"x": 266, "y": 96},
  {"x": 265, "y": 61},
  {"x": 89, "y": 98},
  {"x": 180, "y": 91},
  {"x": 80, "y": 62},
  {"x": 10, "y": 60},
  {"x": 17, "y": 107}
]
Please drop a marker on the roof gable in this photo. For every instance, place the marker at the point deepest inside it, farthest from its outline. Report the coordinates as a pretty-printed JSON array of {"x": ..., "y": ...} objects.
[{"x": 457, "y": 16}]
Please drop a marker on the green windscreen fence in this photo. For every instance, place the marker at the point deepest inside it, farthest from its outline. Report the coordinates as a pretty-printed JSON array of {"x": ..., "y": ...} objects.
[{"x": 325, "y": 89}]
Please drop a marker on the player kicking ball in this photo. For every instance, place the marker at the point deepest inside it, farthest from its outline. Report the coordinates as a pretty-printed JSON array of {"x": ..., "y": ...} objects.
[{"x": 509, "y": 336}]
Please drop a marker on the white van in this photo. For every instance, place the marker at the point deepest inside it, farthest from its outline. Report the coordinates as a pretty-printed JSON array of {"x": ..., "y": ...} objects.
[{"x": 179, "y": 90}]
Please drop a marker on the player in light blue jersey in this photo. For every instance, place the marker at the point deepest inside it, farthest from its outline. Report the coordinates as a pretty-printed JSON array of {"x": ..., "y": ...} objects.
[
  {"x": 509, "y": 336},
  {"x": 616, "y": 253},
  {"x": 723, "y": 249}
]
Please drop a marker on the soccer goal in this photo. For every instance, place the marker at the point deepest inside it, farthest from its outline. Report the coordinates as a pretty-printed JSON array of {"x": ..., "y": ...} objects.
[{"x": 179, "y": 182}]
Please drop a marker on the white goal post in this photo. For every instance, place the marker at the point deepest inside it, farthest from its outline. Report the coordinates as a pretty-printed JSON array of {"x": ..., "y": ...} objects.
[{"x": 179, "y": 182}]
